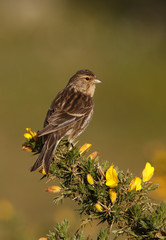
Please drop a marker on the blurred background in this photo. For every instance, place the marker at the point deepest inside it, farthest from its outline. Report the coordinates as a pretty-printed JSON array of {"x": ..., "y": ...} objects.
[{"x": 42, "y": 44}]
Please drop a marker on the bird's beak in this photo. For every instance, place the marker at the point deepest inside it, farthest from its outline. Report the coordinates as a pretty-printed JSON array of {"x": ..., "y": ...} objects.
[{"x": 97, "y": 81}]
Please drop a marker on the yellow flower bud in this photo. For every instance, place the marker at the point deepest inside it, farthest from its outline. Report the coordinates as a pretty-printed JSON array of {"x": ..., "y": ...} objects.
[
  {"x": 85, "y": 148},
  {"x": 135, "y": 184},
  {"x": 43, "y": 238},
  {"x": 111, "y": 177},
  {"x": 112, "y": 195},
  {"x": 53, "y": 189},
  {"x": 147, "y": 173},
  {"x": 26, "y": 148},
  {"x": 93, "y": 155},
  {"x": 90, "y": 179},
  {"x": 98, "y": 207}
]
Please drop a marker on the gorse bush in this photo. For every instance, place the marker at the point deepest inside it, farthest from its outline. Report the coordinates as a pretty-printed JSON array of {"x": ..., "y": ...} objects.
[{"x": 103, "y": 193}]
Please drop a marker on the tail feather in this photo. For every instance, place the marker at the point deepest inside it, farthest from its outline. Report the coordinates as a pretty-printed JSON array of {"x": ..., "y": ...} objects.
[
  {"x": 46, "y": 154},
  {"x": 39, "y": 160},
  {"x": 47, "y": 158}
]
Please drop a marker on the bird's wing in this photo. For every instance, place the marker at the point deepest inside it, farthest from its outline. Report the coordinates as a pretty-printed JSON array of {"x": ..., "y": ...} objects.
[
  {"x": 61, "y": 119},
  {"x": 65, "y": 109}
]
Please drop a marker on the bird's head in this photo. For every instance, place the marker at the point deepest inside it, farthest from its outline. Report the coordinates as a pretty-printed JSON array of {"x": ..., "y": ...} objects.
[{"x": 84, "y": 81}]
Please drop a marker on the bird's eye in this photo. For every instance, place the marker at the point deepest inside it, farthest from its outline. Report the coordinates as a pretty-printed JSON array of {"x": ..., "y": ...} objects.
[{"x": 87, "y": 78}]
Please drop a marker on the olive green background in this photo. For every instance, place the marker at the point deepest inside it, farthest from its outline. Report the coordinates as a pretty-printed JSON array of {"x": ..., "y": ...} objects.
[{"x": 42, "y": 44}]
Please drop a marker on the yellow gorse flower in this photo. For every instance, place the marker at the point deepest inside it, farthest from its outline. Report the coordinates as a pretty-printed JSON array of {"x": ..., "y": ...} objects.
[
  {"x": 147, "y": 173},
  {"x": 98, "y": 207},
  {"x": 29, "y": 135},
  {"x": 135, "y": 184},
  {"x": 111, "y": 177},
  {"x": 53, "y": 189},
  {"x": 90, "y": 179},
  {"x": 43, "y": 172},
  {"x": 112, "y": 195},
  {"x": 85, "y": 148}
]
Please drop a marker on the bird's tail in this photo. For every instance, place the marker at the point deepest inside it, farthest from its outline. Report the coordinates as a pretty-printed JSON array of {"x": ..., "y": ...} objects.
[{"x": 44, "y": 159}]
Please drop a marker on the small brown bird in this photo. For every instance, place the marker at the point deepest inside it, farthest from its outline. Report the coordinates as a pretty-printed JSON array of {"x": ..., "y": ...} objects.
[{"x": 68, "y": 115}]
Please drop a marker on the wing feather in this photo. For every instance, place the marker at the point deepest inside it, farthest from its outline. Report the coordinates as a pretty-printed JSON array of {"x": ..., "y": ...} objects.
[{"x": 68, "y": 107}]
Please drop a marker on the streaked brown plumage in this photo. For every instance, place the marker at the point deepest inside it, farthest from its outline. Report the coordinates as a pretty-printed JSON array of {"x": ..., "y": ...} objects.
[{"x": 68, "y": 115}]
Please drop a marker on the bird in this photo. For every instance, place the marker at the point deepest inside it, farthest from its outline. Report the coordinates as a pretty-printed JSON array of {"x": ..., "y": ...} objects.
[{"x": 68, "y": 116}]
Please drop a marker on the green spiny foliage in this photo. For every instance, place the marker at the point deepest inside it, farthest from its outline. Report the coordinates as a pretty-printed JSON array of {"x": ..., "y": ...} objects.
[
  {"x": 132, "y": 213},
  {"x": 61, "y": 231}
]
